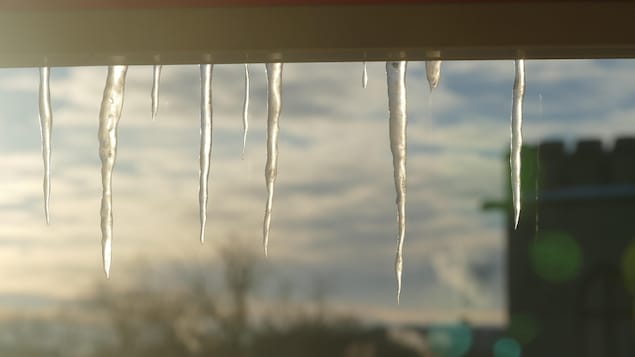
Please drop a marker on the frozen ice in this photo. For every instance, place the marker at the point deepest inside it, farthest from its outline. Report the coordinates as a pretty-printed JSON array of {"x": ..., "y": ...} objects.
[
  {"x": 246, "y": 109},
  {"x": 46, "y": 126},
  {"x": 517, "y": 136},
  {"x": 396, "y": 76},
  {"x": 156, "y": 76},
  {"x": 365, "y": 76},
  {"x": 274, "y": 105},
  {"x": 109, "y": 115},
  {"x": 205, "y": 155},
  {"x": 433, "y": 73}
]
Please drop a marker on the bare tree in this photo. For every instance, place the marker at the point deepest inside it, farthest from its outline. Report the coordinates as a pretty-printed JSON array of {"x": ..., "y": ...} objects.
[{"x": 178, "y": 313}]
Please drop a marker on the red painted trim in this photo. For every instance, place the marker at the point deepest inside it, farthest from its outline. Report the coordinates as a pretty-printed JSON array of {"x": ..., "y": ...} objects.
[{"x": 154, "y": 4}]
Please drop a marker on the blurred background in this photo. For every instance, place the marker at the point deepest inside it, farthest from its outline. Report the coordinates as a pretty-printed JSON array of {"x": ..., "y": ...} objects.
[{"x": 561, "y": 285}]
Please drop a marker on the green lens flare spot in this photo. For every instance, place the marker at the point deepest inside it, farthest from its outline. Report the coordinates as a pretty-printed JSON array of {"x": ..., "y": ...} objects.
[
  {"x": 555, "y": 256},
  {"x": 628, "y": 267},
  {"x": 453, "y": 340},
  {"x": 507, "y": 347},
  {"x": 523, "y": 328}
]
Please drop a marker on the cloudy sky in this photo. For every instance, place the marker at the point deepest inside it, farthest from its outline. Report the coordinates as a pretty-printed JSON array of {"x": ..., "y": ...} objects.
[{"x": 334, "y": 212}]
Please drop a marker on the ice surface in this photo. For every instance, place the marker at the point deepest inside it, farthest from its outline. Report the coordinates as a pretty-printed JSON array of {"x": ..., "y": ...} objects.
[
  {"x": 246, "y": 110},
  {"x": 109, "y": 115},
  {"x": 156, "y": 77},
  {"x": 433, "y": 73},
  {"x": 46, "y": 126},
  {"x": 205, "y": 155},
  {"x": 396, "y": 76},
  {"x": 517, "y": 136},
  {"x": 274, "y": 105}
]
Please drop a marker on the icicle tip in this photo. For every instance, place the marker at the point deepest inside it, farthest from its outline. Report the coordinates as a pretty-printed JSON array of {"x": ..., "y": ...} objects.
[
  {"x": 265, "y": 236},
  {"x": 398, "y": 273},
  {"x": 517, "y": 138},
  {"x": 274, "y": 106},
  {"x": 107, "y": 257}
]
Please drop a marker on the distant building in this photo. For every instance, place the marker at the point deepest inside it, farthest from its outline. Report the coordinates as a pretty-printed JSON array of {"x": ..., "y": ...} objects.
[{"x": 567, "y": 271}]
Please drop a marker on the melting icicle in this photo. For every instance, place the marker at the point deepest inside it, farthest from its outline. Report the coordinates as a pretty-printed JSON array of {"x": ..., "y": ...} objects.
[
  {"x": 246, "y": 110},
  {"x": 205, "y": 155},
  {"x": 156, "y": 76},
  {"x": 109, "y": 114},
  {"x": 365, "y": 76},
  {"x": 46, "y": 123},
  {"x": 517, "y": 136},
  {"x": 274, "y": 104},
  {"x": 396, "y": 75},
  {"x": 433, "y": 73}
]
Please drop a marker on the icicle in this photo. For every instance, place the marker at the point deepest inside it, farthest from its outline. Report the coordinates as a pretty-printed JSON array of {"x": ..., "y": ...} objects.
[
  {"x": 365, "y": 76},
  {"x": 517, "y": 136},
  {"x": 109, "y": 114},
  {"x": 274, "y": 104},
  {"x": 433, "y": 73},
  {"x": 46, "y": 123},
  {"x": 205, "y": 155},
  {"x": 396, "y": 73},
  {"x": 156, "y": 76},
  {"x": 246, "y": 110}
]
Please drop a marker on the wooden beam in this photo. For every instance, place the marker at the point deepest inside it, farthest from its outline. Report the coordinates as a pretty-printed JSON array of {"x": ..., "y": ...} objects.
[{"x": 226, "y": 34}]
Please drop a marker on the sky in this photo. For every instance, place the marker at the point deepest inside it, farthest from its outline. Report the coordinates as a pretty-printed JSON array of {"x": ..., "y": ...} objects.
[{"x": 334, "y": 214}]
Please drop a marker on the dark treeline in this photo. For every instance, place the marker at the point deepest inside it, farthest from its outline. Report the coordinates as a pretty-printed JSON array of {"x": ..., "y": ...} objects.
[{"x": 183, "y": 314}]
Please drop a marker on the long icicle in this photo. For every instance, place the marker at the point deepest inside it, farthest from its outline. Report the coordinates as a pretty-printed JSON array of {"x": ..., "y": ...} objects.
[
  {"x": 517, "y": 136},
  {"x": 365, "y": 76},
  {"x": 109, "y": 115},
  {"x": 274, "y": 105},
  {"x": 46, "y": 126},
  {"x": 433, "y": 73},
  {"x": 246, "y": 110},
  {"x": 156, "y": 77},
  {"x": 396, "y": 75},
  {"x": 205, "y": 155}
]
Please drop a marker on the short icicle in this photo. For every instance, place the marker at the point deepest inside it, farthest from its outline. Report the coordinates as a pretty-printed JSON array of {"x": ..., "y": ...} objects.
[
  {"x": 109, "y": 115},
  {"x": 396, "y": 75},
  {"x": 433, "y": 73},
  {"x": 517, "y": 136},
  {"x": 365, "y": 76},
  {"x": 156, "y": 77},
  {"x": 46, "y": 126},
  {"x": 205, "y": 155},
  {"x": 246, "y": 110},
  {"x": 274, "y": 105}
]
